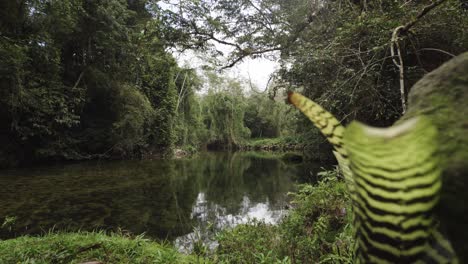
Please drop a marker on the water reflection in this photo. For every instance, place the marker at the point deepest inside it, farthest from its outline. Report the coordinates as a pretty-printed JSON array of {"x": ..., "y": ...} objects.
[
  {"x": 212, "y": 218},
  {"x": 165, "y": 199}
]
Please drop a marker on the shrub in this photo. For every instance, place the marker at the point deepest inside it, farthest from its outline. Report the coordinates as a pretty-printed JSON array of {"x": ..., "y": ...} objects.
[{"x": 317, "y": 229}]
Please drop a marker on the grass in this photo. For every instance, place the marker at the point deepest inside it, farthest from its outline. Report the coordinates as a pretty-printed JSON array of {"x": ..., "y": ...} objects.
[
  {"x": 255, "y": 242},
  {"x": 88, "y": 246}
]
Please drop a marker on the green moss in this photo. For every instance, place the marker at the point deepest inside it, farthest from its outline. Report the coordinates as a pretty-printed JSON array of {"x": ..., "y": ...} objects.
[
  {"x": 442, "y": 95},
  {"x": 84, "y": 246}
]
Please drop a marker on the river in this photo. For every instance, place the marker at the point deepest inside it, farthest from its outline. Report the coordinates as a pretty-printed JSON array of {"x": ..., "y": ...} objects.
[{"x": 176, "y": 200}]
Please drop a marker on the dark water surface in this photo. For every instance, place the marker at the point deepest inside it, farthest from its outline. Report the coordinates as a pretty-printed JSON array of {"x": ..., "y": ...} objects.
[{"x": 166, "y": 199}]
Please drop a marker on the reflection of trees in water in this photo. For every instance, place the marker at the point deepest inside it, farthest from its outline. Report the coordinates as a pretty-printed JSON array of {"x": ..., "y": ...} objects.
[
  {"x": 136, "y": 196},
  {"x": 229, "y": 177},
  {"x": 155, "y": 197}
]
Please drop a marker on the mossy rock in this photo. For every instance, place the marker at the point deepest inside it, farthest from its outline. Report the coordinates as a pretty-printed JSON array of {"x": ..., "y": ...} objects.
[{"x": 442, "y": 95}]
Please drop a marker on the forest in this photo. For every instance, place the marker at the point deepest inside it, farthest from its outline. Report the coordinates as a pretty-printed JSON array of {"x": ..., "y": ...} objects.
[
  {"x": 92, "y": 79},
  {"x": 95, "y": 80}
]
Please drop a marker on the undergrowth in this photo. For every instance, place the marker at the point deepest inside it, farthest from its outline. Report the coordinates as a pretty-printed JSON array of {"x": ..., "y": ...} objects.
[{"x": 317, "y": 229}]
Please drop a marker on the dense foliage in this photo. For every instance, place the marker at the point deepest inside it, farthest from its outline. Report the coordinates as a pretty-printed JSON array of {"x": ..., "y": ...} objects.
[
  {"x": 346, "y": 64},
  {"x": 84, "y": 79},
  {"x": 338, "y": 53},
  {"x": 223, "y": 115},
  {"x": 81, "y": 79}
]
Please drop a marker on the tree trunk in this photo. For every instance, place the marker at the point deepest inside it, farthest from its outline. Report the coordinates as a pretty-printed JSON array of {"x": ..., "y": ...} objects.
[{"x": 442, "y": 95}]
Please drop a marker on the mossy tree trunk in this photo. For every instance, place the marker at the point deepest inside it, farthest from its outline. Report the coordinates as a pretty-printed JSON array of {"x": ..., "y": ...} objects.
[{"x": 442, "y": 95}]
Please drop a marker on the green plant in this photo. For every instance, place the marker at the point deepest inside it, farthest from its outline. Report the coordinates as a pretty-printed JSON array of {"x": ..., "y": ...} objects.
[
  {"x": 9, "y": 222},
  {"x": 255, "y": 242},
  {"x": 317, "y": 229},
  {"x": 319, "y": 225}
]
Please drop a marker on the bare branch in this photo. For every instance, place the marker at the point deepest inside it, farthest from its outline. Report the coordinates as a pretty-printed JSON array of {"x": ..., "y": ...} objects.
[
  {"x": 423, "y": 12},
  {"x": 395, "y": 45},
  {"x": 400, "y": 65},
  {"x": 266, "y": 86},
  {"x": 438, "y": 50}
]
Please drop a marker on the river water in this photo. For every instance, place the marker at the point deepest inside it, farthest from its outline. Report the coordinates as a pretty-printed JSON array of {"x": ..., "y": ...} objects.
[{"x": 177, "y": 200}]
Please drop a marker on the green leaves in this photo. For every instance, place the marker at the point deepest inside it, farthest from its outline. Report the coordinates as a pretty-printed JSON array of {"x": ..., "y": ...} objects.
[{"x": 82, "y": 78}]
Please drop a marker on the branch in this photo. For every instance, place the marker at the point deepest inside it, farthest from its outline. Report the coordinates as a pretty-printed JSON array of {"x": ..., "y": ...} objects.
[
  {"x": 400, "y": 65},
  {"x": 179, "y": 98},
  {"x": 78, "y": 81},
  {"x": 262, "y": 20},
  {"x": 233, "y": 63},
  {"x": 212, "y": 37},
  {"x": 438, "y": 50},
  {"x": 395, "y": 44},
  {"x": 423, "y": 12},
  {"x": 254, "y": 89},
  {"x": 244, "y": 54},
  {"x": 263, "y": 15}
]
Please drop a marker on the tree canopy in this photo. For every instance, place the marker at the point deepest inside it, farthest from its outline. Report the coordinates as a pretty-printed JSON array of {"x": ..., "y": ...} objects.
[{"x": 82, "y": 79}]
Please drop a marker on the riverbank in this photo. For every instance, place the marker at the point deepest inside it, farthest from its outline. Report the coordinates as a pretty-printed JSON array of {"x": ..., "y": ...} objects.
[
  {"x": 279, "y": 144},
  {"x": 94, "y": 247},
  {"x": 312, "y": 149},
  {"x": 274, "y": 144},
  {"x": 317, "y": 228}
]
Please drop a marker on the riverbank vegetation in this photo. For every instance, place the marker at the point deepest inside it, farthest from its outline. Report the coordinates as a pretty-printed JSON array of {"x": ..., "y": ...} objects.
[
  {"x": 317, "y": 229},
  {"x": 87, "y": 247}
]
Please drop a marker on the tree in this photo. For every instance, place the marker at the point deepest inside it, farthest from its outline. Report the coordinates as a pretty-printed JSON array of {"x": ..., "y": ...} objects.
[
  {"x": 338, "y": 52},
  {"x": 81, "y": 79},
  {"x": 223, "y": 111}
]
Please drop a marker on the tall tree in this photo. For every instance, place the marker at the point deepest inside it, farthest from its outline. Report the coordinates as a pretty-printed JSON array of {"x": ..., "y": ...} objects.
[{"x": 83, "y": 78}]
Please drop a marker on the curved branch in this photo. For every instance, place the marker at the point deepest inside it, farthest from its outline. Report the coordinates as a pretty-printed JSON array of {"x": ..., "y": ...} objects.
[
  {"x": 244, "y": 54},
  {"x": 438, "y": 50},
  {"x": 266, "y": 86},
  {"x": 423, "y": 12}
]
